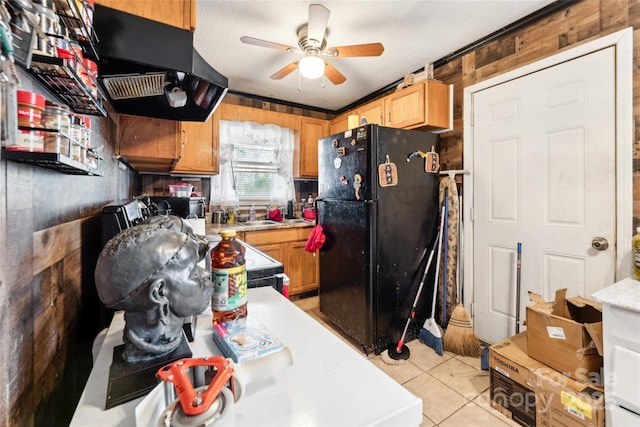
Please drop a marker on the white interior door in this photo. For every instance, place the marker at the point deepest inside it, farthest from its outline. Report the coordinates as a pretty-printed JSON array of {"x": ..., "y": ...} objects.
[{"x": 544, "y": 175}]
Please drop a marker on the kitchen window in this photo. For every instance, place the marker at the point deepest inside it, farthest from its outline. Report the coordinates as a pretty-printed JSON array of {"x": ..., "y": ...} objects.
[{"x": 256, "y": 165}]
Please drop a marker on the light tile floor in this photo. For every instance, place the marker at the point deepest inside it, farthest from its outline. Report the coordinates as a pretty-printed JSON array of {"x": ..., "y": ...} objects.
[{"x": 454, "y": 390}]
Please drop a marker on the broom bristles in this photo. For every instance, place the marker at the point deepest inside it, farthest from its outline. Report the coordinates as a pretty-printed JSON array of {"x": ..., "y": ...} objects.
[
  {"x": 431, "y": 335},
  {"x": 459, "y": 337}
]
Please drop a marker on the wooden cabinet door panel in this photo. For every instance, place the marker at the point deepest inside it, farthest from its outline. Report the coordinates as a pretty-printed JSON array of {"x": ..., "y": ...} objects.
[
  {"x": 406, "y": 107},
  {"x": 178, "y": 13},
  {"x": 373, "y": 113},
  {"x": 149, "y": 145},
  {"x": 311, "y": 131},
  {"x": 339, "y": 124},
  {"x": 275, "y": 251},
  {"x": 301, "y": 269},
  {"x": 197, "y": 153}
]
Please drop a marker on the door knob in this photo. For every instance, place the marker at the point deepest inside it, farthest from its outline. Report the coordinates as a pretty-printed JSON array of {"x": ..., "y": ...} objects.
[{"x": 599, "y": 243}]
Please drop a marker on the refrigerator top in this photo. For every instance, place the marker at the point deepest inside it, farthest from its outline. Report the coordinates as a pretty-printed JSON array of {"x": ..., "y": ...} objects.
[{"x": 354, "y": 165}]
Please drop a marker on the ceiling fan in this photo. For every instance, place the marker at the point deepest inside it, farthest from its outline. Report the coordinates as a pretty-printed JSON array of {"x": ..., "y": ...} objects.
[{"x": 312, "y": 43}]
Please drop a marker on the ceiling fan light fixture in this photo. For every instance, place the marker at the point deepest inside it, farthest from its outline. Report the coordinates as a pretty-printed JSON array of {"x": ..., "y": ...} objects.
[{"x": 311, "y": 67}]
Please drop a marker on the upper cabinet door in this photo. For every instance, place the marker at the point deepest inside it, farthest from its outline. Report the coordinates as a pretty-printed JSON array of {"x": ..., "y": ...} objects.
[
  {"x": 372, "y": 112},
  {"x": 178, "y": 13},
  {"x": 405, "y": 108},
  {"x": 311, "y": 130},
  {"x": 200, "y": 149},
  {"x": 149, "y": 145}
]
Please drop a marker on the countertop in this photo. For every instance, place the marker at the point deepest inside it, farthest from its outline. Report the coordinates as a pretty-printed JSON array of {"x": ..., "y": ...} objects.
[
  {"x": 625, "y": 294},
  {"x": 329, "y": 383},
  {"x": 248, "y": 226}
]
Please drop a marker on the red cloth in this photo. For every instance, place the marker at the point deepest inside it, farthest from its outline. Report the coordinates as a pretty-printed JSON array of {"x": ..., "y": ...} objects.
[
  {"x": 275, "y": 215},
  {"x": 316, "y": 239}
]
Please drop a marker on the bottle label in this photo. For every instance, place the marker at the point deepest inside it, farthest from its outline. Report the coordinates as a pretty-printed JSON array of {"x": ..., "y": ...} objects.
[{"x": 229, "y": 288}]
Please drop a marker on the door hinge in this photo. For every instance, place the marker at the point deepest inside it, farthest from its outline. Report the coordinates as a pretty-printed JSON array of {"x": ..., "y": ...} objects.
[
  {"x": 471, "y": 214},
  {"x": 471, "y": 310}
]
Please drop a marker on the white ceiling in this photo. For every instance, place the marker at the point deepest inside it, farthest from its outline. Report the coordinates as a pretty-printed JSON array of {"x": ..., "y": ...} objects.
[{"x": 414, "y": 33}]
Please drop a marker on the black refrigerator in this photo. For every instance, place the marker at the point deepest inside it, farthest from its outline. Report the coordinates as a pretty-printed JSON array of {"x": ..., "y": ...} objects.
[{"x": 379, "y": 211}]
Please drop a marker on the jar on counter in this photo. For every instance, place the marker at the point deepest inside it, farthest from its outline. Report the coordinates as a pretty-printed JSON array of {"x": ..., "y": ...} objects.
[
  {"x": 56, "y": 143},
  {"x": 85, "y": 132},
  {"x": 75, "y": 133},
  {"x": 28, "y": 140},
  {"x": 30, "y": 108},
  {"x": 89, "y": 76},
  {"x": 56, "y": 116}
]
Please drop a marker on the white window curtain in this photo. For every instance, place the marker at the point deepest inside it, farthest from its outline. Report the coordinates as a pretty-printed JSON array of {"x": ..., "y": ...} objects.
[{"x": 256, "y": 165}]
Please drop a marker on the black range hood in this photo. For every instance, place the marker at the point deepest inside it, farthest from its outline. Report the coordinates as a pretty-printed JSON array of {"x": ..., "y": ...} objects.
[{"x": 152, "y": 69}]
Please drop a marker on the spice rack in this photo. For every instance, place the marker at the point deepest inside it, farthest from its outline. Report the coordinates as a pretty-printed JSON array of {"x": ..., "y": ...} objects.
[
  {"x": 55, "y": 161},
  {"x": 58, "y": 161},
  {"x": 58, "y": 74}
]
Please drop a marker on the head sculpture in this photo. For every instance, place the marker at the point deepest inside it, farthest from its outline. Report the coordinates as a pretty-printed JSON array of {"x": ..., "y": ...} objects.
[{"x": 150, "y": 271}]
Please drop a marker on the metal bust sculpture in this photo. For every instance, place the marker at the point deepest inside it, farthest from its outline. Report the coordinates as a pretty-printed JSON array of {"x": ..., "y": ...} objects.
[{"x": 150, "y": 271}]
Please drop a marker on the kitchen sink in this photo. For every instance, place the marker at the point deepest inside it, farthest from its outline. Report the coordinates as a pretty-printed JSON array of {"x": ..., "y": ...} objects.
[
  {"x": 294, "y": 220},
  {"x": 260, "y": 222}
]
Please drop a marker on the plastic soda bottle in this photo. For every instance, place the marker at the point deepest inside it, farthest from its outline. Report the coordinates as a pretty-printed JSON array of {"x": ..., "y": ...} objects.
[{"x": 229, "y": 278}]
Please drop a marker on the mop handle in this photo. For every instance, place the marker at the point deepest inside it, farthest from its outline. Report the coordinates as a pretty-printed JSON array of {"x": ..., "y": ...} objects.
[
  {"x": 435, "y": 285},
  {"x": 415, "y": 302},
  {"x": 518, "y": 267}
]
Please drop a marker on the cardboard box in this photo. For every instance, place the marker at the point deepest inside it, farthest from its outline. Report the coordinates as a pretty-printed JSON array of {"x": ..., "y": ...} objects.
[
  {"x": 562, "y": 401},
  {"x": 512, "y": 380},
  {"x": 566, "y": 335}
]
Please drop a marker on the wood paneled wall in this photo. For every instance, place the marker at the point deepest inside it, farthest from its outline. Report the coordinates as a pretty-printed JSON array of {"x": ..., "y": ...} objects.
[
  {"x": 50, "y": 238},
  {"x": 579, "y": 23}
]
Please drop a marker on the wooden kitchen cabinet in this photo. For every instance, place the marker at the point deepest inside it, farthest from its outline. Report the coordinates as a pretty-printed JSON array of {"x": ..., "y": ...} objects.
[
  {"x": 178, "y": 13},
  {"x": 339, "y": 123},
  {"x": 373, "y": 112},
  {"x": 310, "y": 131},
  {"x": 149, "y": 145},
  {"x": 200, "y": 153},
  {"x": 422, "y": 106},
  {"x": 287, "y": 246},
  {"x": 168, "y": 146}
]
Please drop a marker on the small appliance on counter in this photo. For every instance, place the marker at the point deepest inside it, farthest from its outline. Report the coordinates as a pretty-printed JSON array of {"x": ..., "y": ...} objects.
[
  {"x": 181, "y": 206},
  {"x": 262, "y": 270}
]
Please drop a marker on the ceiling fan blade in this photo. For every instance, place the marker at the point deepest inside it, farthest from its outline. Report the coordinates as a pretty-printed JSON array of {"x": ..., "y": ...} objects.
[
  {"x": 264, "y": 43},
  {"x": 285, "y": 71},
  {"x": 368, "y": 49},
  {"x": 332, "y": 73},
  {"x": 318, "y": 19}
]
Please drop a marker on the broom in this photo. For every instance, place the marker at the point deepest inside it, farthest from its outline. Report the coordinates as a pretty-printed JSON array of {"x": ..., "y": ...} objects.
[
  {"x": 430, "y": 334},
  {"x": 459, "y": 337}
]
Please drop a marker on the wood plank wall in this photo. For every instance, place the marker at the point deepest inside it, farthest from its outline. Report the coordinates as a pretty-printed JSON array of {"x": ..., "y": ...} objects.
[
  {"x": 579, "y": 23},
  {"x": 50, "y": 237}
]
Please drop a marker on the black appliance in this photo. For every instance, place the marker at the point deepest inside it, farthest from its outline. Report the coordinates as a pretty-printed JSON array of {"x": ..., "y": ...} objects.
[
  {"x": 181, "y": 206},
  {"x": 262, "y": 270},
  {"x": 144, "y": 63},
  {"x": 373, "y": 257}
]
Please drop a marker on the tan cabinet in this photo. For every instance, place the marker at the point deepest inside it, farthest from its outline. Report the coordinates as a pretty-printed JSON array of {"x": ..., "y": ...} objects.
[
  {"x": 162, "y": 146},
  {"x": 421, "y": 106},
  {"x": 200, "y": 152},
  {"x": 178, "y": 13},
  {"x": 310, "y": 131},
  {"x": 339, "y": 123},
  {"x": 373, "y": 112},
  {"x": 287, "y": 246},
  {"x": 149, "y": 145}
]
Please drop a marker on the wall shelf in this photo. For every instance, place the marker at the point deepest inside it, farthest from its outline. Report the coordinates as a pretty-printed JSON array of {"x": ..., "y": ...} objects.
[
  {"x": 62, "y": 80},
  {"x": 55, "y": 161}
]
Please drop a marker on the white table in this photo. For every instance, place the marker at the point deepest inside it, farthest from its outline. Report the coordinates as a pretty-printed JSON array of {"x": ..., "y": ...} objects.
[{"x": 329, "y": 384}]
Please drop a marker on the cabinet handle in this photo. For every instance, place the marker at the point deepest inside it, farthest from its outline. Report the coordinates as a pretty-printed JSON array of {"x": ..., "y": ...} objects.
[{"x": 389, "y": 118}]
